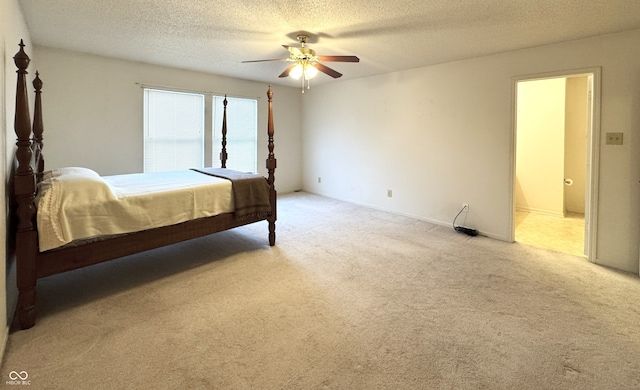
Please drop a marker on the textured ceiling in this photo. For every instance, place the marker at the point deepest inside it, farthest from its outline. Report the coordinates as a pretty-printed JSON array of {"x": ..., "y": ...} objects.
[{"x": 387, "y": 35}]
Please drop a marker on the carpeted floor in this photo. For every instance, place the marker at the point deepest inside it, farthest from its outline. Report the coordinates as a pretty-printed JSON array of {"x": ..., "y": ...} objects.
[{"x": 350, "y": 298}]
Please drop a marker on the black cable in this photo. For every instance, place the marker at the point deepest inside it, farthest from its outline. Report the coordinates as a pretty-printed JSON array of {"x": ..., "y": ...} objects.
[
  {"x": 462, "y": 229},
  {"x": 454, "y": 220}
]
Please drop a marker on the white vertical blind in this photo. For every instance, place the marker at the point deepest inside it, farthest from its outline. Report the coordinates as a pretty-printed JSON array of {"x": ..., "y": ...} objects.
[
  {"x": 173, "y": 130},
  {"x": 242, "y": 133}
]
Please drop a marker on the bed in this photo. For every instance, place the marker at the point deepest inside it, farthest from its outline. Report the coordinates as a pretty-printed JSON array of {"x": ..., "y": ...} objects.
[{"x": 43, "y": 250}]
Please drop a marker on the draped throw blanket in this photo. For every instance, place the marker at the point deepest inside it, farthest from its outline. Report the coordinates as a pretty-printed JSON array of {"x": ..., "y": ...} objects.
[{"x": 250, "y": 191}]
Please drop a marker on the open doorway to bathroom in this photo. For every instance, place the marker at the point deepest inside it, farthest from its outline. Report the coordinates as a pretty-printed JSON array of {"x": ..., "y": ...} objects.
[{"x": 554, "y": 154}]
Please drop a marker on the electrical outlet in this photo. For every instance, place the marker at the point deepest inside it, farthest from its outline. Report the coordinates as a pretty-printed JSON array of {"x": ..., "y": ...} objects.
[
  {"x": 389, "y": 193},
  {"x": 465, "y": 206},
  {"x": 614, "y": 139},
  {"x": 319, "y": 179}
]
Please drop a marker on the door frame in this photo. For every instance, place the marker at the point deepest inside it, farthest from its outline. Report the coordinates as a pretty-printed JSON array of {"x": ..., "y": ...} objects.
[{"x": 593, "y": 154}]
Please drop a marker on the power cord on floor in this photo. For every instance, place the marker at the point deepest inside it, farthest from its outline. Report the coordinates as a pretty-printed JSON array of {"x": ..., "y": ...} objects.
[{"x": 462, "y": 229}]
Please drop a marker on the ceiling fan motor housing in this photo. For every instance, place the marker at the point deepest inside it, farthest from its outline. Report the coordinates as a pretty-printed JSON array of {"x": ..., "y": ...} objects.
[{"x": 307, "y": 53}]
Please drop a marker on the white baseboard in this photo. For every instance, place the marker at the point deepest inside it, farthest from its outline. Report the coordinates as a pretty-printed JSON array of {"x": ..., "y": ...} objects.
[
  {"x": 540, "y": 211},
  {"x": 413, "y": 216}
]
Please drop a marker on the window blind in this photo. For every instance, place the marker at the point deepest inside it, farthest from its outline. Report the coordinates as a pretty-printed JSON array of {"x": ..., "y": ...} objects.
[{"x": 173, "y": 129}]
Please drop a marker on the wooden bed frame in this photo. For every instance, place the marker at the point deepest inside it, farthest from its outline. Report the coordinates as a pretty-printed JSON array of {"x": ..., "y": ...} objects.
[{"x": 33, "y": 264}]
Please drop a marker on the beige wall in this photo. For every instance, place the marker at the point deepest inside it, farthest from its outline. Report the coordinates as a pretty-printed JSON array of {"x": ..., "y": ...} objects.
[
  {"x": 442, "y": 135},
  {"x": 576, "y": 131},
  {"x": 540, "y": 146}
]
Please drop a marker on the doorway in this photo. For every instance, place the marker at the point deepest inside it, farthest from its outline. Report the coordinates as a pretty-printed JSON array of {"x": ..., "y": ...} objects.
[{"x": 554, "y": 197}]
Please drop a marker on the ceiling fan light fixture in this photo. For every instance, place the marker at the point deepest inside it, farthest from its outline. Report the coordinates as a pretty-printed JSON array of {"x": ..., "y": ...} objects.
[
  {"x": 297, "y": 71},
  {"x": 310, "y": 72},
  {"x": 303, "y": 68}
]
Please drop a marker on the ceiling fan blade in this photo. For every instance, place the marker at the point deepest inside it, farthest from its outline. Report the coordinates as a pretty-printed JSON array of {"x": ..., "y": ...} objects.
[
  {"x": 325, "y": 69},
  {"x": 339, "y": 58},
  {"x": 275, "y": 59},
  {"x": 287, "y": 71}
]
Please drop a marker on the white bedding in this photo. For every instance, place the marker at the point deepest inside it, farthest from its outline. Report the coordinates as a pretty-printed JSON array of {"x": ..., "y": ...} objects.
[{"x": 76, "y": 203}]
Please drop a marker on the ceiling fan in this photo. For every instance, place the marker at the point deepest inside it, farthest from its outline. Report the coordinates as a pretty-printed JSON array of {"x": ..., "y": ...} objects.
[{"x": 306, "y": 64}]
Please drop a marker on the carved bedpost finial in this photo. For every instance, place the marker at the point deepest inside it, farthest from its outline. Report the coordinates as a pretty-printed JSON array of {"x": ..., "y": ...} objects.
[
  {"x": 21, "y": 59},
  {"x": 37, "y": 83},
  {"x": 22, "y": 122}
]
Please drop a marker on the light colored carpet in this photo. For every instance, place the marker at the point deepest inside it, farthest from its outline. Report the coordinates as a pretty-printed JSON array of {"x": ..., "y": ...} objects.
[{"x": 350, "y": 298}]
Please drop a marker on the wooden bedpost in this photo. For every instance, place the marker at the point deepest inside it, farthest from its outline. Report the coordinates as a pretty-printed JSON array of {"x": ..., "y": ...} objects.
[
  {"x": 271, "y": 167},
  {"x": 223, "y": 153},
  {"x": 24, "y": 192},
  {"x": 38, "y": 128}
]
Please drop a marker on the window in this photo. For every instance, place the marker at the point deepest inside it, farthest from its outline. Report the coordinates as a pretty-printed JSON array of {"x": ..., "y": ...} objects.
[
  {"x": 180, "y": 134},
  {"x": 242, "y": 126},
  {"x": 173, "y": 130}
]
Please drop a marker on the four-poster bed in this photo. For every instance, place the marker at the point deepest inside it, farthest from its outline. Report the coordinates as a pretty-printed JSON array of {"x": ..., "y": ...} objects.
[{"x": 32, "y": 186}]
